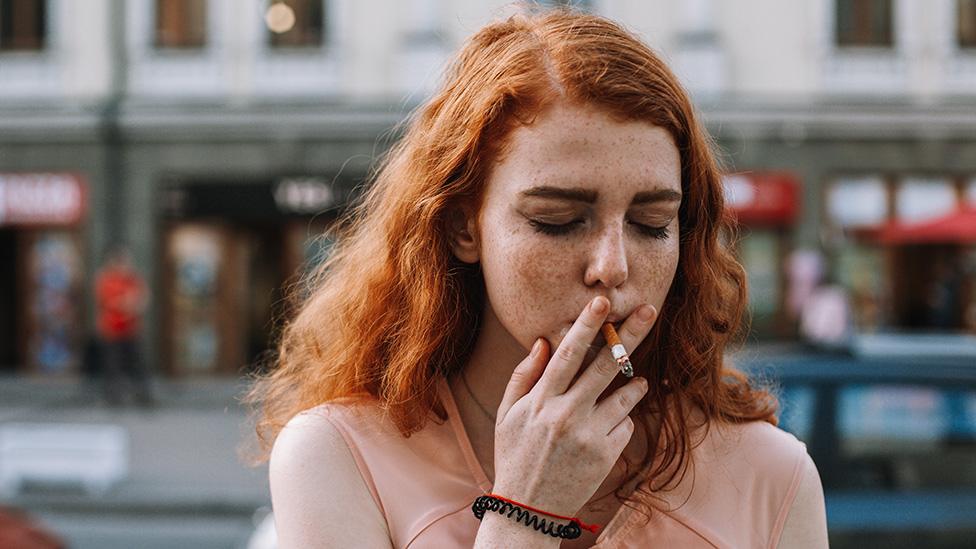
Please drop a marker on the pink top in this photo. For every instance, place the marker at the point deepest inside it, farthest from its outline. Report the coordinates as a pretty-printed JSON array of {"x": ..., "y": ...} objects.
[{"x": 737, "y": 493}]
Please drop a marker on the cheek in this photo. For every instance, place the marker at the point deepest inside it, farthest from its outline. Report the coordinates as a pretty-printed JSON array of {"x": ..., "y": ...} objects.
[
  {"x": 525, "y": 279},
  {"x": 657, "y": 269}
]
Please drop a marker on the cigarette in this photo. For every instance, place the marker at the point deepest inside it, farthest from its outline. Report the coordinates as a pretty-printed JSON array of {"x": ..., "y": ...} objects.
[{"x": 618, "y": 350}]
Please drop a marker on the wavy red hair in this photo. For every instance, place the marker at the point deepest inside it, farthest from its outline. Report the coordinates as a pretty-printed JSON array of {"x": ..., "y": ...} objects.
[{"x": 391, "y": 310}]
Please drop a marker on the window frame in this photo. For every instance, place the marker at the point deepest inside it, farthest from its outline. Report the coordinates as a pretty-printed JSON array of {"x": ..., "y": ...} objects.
[
  {"x": 156, "y": 43},
  {"x": 43, "y": 19},
  {"x": 892, "y": 31}
]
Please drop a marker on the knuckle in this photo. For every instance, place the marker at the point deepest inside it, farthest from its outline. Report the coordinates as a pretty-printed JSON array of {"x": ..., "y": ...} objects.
[
  {"x": 520, "y": 375},
  {"x": 559, "y": 427},
  {"x": 625, "y": 399},
  {"x": 631, "y": 334},
  {"x": 566, "y": 352},
  {"x": 591, "y": 321},
  {"x": 605, "y": 367}
]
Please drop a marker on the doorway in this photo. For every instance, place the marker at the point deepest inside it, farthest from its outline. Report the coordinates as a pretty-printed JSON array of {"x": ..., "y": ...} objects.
[
  {"x": 10, "y": 352},
  {"x": 930, "y": 287}
]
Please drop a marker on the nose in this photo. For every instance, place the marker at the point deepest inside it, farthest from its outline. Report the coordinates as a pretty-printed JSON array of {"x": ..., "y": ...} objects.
[{"x": 607, "y": 264}]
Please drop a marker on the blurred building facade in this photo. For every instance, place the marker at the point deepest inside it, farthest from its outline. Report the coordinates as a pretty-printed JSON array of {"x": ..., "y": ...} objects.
[{"x": 219, "y": 149}]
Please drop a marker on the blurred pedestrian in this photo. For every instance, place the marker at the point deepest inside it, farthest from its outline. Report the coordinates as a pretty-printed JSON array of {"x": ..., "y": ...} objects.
[
  {"x": 826, "y": 321},
  {"x": 944, "y": 296},
  {"x": 804, "y": 269},
  {"x": 121, "y": 298}
]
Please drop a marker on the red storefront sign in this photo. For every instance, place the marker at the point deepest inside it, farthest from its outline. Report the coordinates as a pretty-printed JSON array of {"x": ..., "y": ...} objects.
[
  {"x": 763, "y": 198},
  {"x": 42, "y": 198}
]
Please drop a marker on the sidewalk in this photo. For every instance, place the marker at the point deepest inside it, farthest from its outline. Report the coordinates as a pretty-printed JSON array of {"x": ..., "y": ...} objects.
[{"x": 183, "y": 452}]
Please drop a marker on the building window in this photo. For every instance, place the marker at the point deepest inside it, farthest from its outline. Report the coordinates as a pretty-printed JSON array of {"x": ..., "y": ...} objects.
[
  {"x": 919, "y": 199},
  {"x": 181, "y": 24},
  {"x": 308, "y": 25},
  {"x": 864, "y": 23},
  {"x": 578, "y": 4},
  {"x": 966, "y": 23},
  {"x": 23, "y": 24},
  {"x": 857, "y": 202}
]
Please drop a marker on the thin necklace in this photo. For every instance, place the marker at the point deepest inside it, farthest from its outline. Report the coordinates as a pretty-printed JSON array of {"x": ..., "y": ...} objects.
[{"x": 467, "y": 387}]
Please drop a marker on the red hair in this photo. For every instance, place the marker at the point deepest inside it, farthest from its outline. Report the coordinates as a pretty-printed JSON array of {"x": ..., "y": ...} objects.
[{"x": 392, "y": 310}]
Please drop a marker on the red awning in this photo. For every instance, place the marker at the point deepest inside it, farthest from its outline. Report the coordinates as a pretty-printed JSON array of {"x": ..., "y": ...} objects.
[
  {"x": 762, "y": 198},
  {"x": 958, "y": 227}
]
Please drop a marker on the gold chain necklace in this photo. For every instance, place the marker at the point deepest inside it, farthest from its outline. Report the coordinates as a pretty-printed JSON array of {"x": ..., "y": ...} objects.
[{"x": 467, "y": 387}]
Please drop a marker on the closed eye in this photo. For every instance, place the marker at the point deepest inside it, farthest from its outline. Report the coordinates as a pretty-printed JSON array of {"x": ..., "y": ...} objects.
[
  {"x": 660, "y": 233},
  {"x": 554, "y": 229}
]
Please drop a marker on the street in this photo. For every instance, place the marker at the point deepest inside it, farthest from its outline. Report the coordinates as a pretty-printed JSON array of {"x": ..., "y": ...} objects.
[{"x": 186, "y": 485}]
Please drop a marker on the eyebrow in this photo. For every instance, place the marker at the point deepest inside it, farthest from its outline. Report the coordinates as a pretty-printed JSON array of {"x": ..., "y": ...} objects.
[{"x": 589, "y": 196}]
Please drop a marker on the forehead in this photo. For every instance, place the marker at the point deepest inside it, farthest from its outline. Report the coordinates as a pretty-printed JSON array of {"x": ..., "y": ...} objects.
[{"x": 578, "y": 146}]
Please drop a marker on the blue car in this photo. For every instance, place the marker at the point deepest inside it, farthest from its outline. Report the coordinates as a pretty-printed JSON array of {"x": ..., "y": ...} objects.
[{"x": 894, "y": 440}]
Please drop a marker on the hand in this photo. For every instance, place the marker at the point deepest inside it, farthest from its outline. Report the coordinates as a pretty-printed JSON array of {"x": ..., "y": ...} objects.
[{"x": 554, "y": 444}]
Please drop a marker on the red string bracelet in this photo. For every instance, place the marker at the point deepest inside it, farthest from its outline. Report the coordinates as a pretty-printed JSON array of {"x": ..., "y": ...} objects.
[{"x": 595, "y": 528}]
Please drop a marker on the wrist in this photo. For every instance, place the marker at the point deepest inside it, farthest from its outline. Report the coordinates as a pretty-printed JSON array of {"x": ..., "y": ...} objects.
[
  {"x": 497, "y": 531},
  {"x": 555, "y": 526}
]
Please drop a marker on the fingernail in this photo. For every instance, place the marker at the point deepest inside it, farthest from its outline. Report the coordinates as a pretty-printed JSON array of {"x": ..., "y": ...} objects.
[
  {"x": 645, "y": 313},
  {"x": 537, "y": 346},
  {"x": 598, "y": 305}
]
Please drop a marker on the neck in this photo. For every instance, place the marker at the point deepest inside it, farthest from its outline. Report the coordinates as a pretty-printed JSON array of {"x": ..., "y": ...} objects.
[{"x": 494, "y": 357}]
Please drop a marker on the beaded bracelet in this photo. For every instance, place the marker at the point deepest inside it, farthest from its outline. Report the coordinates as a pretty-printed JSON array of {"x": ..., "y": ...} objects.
[{"x": 493, "y": 502}]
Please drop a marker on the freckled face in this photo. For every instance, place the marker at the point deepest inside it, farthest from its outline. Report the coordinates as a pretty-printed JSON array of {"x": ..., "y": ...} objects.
[{"x": 579, "y": 205}]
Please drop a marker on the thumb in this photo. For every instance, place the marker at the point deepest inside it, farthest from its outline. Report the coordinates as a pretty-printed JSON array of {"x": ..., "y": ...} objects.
[{"x": 525, "y": 376}]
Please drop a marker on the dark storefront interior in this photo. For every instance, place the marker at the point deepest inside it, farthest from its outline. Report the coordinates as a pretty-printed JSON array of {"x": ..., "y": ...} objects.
[{"x": 9, "y": 351}]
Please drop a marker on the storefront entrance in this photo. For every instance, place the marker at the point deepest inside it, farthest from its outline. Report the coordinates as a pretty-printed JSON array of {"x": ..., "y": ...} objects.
[
  {"x": 41, "y": 273},
  {"x": 228, "y": 267},
  {"x": 931, "y": 288}
]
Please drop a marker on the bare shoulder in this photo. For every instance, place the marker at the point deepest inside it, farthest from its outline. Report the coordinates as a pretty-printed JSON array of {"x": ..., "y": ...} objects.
[
  {"x": 806, "y": 523},
  {"x": 316, "y": 485},
  {"x": 768, "y": 448},
  {"x": 781, "y": 459}
]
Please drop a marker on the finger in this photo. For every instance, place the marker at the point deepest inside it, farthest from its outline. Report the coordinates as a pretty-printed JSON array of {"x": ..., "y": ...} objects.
[
  {"x": 566, "y": 360},
  {"x": 619, "y": 436},
  {"x": 524, "y": 377},
  {"x": 598, "y": 375},
  {"x": 613, "y": 409}
]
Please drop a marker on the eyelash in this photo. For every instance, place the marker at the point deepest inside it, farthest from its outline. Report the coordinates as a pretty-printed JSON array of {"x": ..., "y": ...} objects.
[{"x": 660, "y": 233}]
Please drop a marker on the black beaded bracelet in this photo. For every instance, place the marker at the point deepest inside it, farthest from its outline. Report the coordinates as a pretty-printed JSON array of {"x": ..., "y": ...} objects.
[{"x": 544, "y": 525}]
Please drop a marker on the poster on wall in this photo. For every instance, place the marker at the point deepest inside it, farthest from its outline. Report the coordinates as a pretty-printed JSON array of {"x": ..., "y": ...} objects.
[
  {"x": 54, "y": 278},
  {"x": 195, "y": 256}
]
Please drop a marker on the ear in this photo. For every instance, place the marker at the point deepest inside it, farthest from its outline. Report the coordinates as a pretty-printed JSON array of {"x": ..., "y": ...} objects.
[{"x": 463, "y": 229}]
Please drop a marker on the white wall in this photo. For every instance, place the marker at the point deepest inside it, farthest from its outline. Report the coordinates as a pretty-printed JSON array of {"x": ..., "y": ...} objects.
[{"x": 391, "y": 50}]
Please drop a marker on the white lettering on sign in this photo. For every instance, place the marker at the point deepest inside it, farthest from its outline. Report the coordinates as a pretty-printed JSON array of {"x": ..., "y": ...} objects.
[
  {"x": 40, "y": 198},
  {"x": 309, "y": 195}
]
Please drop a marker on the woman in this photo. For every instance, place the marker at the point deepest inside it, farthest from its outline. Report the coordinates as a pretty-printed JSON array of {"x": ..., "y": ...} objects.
[{"x": 558, "y": 180}]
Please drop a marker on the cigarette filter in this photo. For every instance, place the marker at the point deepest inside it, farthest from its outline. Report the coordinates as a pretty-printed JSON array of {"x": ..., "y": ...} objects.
[{"x": 618, "y": 350}]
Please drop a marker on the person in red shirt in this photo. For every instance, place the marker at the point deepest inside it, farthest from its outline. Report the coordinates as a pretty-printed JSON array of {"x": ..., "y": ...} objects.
[{"x": 121, "y": 298}]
